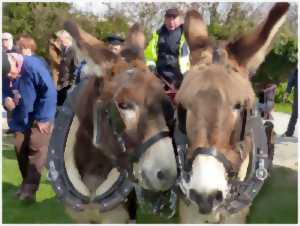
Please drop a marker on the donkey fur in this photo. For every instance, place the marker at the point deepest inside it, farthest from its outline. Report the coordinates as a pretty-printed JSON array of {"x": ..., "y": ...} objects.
[{"x": 210, "y": 93}]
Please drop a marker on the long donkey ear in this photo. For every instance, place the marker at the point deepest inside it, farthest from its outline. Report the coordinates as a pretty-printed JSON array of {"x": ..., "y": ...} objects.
[
  {"x": 134, "y": 43},
  {"x": 250, "y": 50},
  {"x": 195, "y": 30},
  {"x": 90, "y": 47}
]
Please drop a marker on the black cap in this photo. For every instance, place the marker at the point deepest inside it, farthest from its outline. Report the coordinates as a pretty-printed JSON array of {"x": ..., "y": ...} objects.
[
  {"x": 114, "y": 40},
  {"x": 173, "y": 12}
]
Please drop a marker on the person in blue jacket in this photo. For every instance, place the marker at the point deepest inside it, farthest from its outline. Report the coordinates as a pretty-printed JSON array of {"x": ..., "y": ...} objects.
[
  {"x": 29, "y": 93},
  {"x": 292, "y": 83}
]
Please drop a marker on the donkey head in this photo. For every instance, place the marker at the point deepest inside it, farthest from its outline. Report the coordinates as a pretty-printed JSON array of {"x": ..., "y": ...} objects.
[
  {"x": 121, "y": 111},
  {"x": 215, "y": 93}
]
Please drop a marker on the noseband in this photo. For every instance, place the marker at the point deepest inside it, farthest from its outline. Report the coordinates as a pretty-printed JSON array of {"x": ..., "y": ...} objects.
[{"x": 181, "y": 141}]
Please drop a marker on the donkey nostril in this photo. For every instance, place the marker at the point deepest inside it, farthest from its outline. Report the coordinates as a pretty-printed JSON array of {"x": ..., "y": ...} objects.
[{"x": 160, "y": 175}]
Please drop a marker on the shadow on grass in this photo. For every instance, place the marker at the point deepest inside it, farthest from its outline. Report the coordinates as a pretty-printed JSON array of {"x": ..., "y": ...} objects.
[
  {"x": 277, "y": 200},
  {"x": 9, "y": 154},
  {"x": 47, "y": 211}
]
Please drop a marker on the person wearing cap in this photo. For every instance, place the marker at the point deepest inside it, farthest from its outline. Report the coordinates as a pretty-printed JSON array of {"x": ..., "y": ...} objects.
[
  {"x": 29, "y": 93},
  {"x": 167, "y": 53},
  {"x": 8, "y": 43},
  {"x": 114, "y": 43},
  {"x": 67, "y": 65}
]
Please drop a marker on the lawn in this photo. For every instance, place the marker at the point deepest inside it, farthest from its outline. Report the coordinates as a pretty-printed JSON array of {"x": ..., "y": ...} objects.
[
  {"x": 276, "y": 203},
  {"x": 283, "y": 107}
]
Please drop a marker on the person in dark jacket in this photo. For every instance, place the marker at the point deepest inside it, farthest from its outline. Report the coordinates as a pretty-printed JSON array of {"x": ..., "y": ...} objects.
[
  {"x": 292, "y": 84},
  {"x": 29, "y": 93},
  {"x": 167, "y": 52},
  {"x": 67, "y": 66}
]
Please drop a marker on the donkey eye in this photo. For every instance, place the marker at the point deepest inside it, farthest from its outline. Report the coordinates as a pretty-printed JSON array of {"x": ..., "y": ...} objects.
[
  {"x": 237, "y": 106},
  {"x": 125, "y": 105},
  {"x": 219, "y": 196}
]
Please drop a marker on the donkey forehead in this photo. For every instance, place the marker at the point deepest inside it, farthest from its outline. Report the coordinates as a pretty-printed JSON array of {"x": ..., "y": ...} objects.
[
  {"x": 229, "y": 84},
  {"x": 134, "y": 84}
]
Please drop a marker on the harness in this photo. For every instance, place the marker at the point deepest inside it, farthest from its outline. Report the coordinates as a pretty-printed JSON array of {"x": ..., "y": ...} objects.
[
  {"x": 78, "y": 70},
  {"x": 63, "y": 187},
  {"x": 243, "y": 192},
  {"x": 110, "y": 113}
]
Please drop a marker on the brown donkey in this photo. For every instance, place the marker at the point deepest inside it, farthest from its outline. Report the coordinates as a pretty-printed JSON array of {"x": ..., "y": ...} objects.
[
  {"x": 120, "y": 124},
  {"x": 214, "y": 94}
]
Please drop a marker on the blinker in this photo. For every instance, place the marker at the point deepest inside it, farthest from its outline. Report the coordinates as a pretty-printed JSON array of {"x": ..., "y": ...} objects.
[
  {"x": 111, "y": 112},
  {"x": 97, "y": 116},
  {"x": 115, "y": 118}
]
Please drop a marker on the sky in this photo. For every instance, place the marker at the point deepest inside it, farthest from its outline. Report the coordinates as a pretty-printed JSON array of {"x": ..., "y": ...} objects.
[
  {"x": 94, "y": 7},
  {"x": 98, "y": 9}
]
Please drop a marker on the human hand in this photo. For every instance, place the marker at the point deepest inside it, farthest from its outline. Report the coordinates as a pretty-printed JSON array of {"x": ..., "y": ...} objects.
[
  {"x": 44, "y": 127},
  {"x": 9, "y": 104}
]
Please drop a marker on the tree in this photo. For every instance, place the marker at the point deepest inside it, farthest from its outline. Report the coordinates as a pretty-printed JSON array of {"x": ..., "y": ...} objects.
[{"x": 41, "y": 21}]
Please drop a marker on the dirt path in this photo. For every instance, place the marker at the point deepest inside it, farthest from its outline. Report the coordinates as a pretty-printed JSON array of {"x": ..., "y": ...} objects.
[{"x": 286, "y": 151}]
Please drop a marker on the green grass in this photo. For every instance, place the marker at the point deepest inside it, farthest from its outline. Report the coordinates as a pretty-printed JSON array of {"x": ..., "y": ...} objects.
[
  {"x": 283, "y": 107},
  {"x": 276, "y": 202},
  {"x": 47, "y": 209}
]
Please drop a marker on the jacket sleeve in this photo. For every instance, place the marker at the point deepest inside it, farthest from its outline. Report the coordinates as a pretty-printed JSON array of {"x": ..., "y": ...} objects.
[
  {"x": 292, "y": 81},
  {"x": 45, "y": 104},
  {"x": 150, "y": 52}
]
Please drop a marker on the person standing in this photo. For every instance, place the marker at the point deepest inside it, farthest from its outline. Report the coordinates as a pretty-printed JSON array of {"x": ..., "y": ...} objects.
[
  {"x": 67, "y": 65},
  {"x": 29, "y": 93},
  {"x": 54, "y": 58},
  {"x": 167, "y": 53},
  {"x": 8, "y": 43},
  {"x": 114, "y": 43},
  {"x": 26, "y": 45},
  {"x": 292, "y": 84}
]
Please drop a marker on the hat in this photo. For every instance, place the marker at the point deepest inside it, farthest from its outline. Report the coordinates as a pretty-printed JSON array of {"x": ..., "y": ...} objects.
[
  {"x": 173, "y": 12},
  {"x": 114, "y": 40}
]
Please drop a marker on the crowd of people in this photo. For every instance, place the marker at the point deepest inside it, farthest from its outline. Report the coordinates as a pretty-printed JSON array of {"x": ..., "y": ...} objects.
[{"x": 32, "y": 91}]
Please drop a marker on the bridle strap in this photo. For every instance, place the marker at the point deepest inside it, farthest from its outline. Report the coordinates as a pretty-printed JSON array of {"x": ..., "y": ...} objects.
[
  {"x": 140, "y": 150},
  {"x": 244, "y": 115}
]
